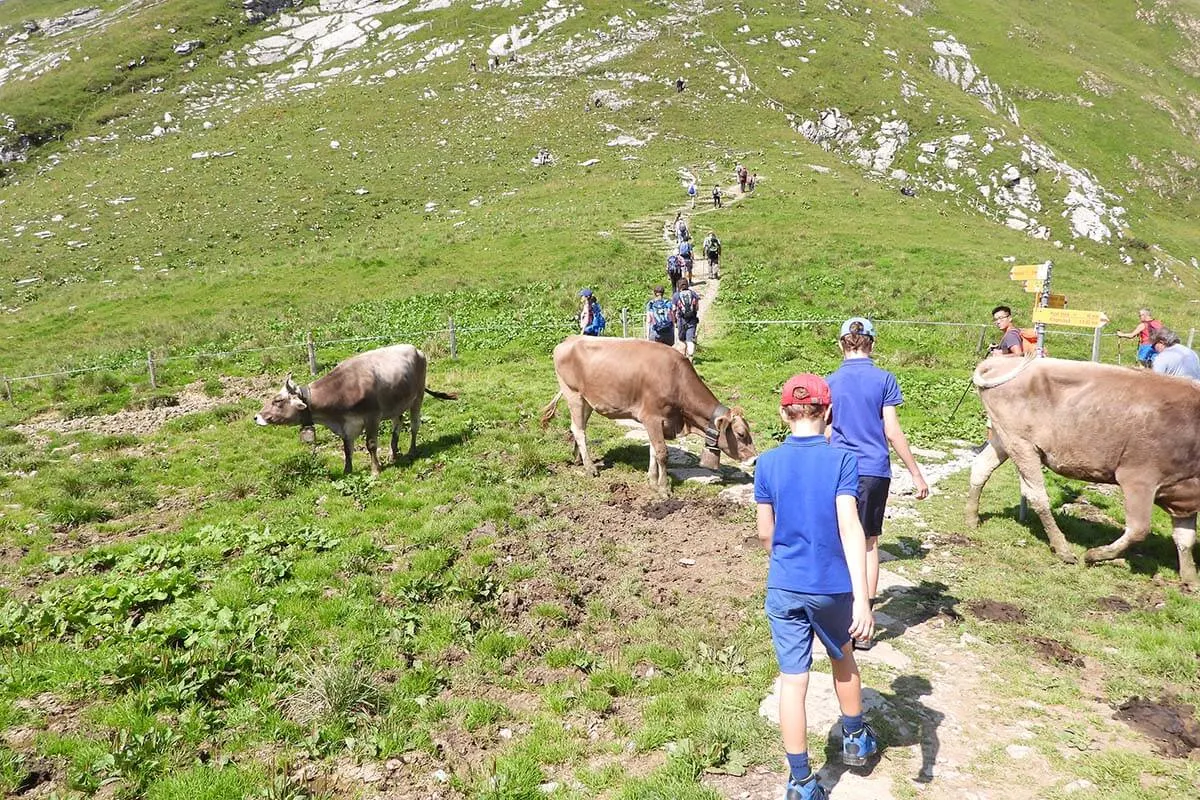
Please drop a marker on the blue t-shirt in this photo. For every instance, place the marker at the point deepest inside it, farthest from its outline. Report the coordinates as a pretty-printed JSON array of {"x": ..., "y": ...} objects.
[
  {"x": 801, "y": 479},
  {"x": 860, "y": 392}
]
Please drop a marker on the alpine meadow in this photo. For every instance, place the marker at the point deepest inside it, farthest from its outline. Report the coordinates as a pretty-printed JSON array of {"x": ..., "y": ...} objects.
[{"x": 201, "y": 197}]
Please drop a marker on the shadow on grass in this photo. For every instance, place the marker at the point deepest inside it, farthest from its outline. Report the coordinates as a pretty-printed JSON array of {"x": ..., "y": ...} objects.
[
  {"x": 908, "y": 606},
  {"x": 906, "y": 722}
]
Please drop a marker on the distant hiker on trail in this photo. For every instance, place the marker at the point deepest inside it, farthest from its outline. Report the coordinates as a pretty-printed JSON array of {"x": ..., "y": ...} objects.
[
  {"x": 691, "y": 190},
  {"x": 753, "y": 180},
  {"x": 1146, "y": 328},
  {"x": 685, "y": 253},
  {"x": 591, "y": 318},
  {"x": 679, "y": 84},
  {"x": 1173, "y": 357},
  {"x": 660, "y": 319},
  {"x": 742, "y": 177},
  {"x": 807, "y": 518},
  {"x": 674, "y": 269},
  {"x": 716, "y": 196},
  {"x": 474, "y": 65},
  {"x": 865, "y": 422},
  {"x": 681, "y": 229},
  {"x": 712, "y": 251},
  {"x": 686, "y": 303}
]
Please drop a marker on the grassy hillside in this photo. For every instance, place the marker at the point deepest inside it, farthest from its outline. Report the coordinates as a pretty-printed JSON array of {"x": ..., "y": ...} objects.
[{"x": 203, "y": 609}]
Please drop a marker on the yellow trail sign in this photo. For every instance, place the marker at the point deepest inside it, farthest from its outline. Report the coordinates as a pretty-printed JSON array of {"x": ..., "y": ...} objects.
[
  {"x": 1075, "y": 318},
  {"x": 1034, "y": 287},
  {"x": 1057, "y": 301},
  {"x": 1028, "y": 272}
]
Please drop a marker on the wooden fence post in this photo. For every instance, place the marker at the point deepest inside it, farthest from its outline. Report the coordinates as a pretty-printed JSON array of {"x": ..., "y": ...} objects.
[
  {"x": 1191, "y": 337},
  {"x": 624, "y": 322},
  {"x": 150, "y": 367},
  {"x": 453, "y": 340},
  {"x": 983, "y": 329},
  {"x": 1022, "y": 509},
  {"x": 312, "y": 354},
  {"x": 7, "y": 389},
  {"x": 1096, "y": 345}
]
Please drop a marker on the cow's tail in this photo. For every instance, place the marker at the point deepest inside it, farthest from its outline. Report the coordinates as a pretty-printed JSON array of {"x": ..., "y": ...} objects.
[
  {"x": 440, "y": 395},
  {"x": 991, "y": 383},
  {"x": 550, "y": 410}
]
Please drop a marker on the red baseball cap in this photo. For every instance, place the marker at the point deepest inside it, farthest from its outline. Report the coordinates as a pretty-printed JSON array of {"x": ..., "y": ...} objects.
[{"x": 805, "y": 389}]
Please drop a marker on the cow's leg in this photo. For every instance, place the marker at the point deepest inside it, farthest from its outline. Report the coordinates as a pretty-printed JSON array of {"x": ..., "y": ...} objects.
[
  {"x": 1185, "y": 538},
  {"x": 985, "y": 463},
  {"x": 580, "y": 411},
  {"x": 348, "y": 450},
  {"x": 396, "y": 420},
  {"x": 372, "y": 430},
  {"x": 657, "y": 474},
  {"x": 1139, "y": 505},
  {"x": 1033, "y": 486},
  {"x": 414, "y": 425}
]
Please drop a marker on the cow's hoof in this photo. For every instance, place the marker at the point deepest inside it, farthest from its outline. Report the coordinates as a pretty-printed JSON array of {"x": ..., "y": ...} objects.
[
  {"x": 972, "y": 522},
  {"x": 592, "y": 471},
  {"x": 1098, "y": 554},
  {"x": 1067, "y": 557}
]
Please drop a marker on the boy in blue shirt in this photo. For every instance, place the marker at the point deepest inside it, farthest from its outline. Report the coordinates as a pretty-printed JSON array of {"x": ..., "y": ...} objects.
[
  {"x": 807, "y": 495},
  {"x": 865, "y": 421}
]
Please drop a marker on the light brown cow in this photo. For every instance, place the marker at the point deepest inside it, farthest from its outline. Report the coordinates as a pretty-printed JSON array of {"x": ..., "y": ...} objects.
[
  {"x": 653, "y": 384},
  {"x": 356, "y": 396},
  {"x": 1097, "y": 423}
]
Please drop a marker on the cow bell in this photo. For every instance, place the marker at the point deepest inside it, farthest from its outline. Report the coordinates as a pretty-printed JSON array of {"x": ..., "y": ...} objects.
[{"x": 308, "y": 434}]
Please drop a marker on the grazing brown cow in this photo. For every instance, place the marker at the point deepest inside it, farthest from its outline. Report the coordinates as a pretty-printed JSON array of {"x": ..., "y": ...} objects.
[
  {"x": 355, "y": 396},
  {"x": 657, "y": 386},
  {"x": 1097, "y": 423}
]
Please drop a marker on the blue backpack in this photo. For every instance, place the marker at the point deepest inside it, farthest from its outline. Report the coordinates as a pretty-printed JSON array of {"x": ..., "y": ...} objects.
[
  {"x": 674, "y": 269},
  {"x": 596, "y": 326},
  {"x": 660, "y": 315}
]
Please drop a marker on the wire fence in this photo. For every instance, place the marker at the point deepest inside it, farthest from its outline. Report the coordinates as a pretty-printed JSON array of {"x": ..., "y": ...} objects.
[{"x": 452, "y": 335}]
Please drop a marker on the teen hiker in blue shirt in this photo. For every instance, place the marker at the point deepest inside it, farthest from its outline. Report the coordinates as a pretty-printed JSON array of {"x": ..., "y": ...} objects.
[
  {"x": 807, "y": 496},
  {"x": 660, "y": 319},
  {"x": 865, "y": 421}
]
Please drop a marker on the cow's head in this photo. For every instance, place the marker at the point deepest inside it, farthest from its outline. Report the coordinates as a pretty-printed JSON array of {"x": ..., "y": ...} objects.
[
  {"x": 285, "y": 408},
  {"x": 733, "y": 439}
]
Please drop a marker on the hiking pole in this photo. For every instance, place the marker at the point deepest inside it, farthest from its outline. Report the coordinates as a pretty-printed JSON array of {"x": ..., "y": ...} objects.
[
  {"x": 958, "y": 405},
  {"x": 1120, "y": 341}
]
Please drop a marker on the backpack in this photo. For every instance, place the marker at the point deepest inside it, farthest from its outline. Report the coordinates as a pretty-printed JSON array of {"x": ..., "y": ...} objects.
[
  {"x": 660, "y": 313},
  {"x": 682, "y": 232},
  {"x": 596, "y": 326},
  {"x": 685, "y": 249},
  {"x": 674, "y": 269},
  {"x": 712, "y": 244},
  {"x": 688, "y": 306},
  {"x": 1029, "y": 341}
]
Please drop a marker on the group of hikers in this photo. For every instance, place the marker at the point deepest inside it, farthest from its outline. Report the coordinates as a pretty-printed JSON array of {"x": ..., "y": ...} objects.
[
  {"x": 667, "y": 321},
  {"x": 745, "y": 180}
]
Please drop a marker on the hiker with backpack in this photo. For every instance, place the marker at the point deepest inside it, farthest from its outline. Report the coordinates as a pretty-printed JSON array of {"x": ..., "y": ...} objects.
[
  {"x": 1012, "y": 341},
  {"x": 742, "y": 176},
  {"x": 685, "y": 253},
  {"x": 660, "y": 319},
  {"x": 681, "y": 229},
  {"x": 674, "y": 270},
  {"x": 691, "y": 192},
  {"x": 712, "y": 251},
  {"x": 591, "y": 318},
  {"x": 716, "y": 196},
  {"x": 686, "y": 304},
  {"x": 1145, "y": 331}
]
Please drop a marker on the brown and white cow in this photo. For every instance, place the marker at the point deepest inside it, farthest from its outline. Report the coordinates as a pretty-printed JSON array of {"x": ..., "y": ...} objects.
[
  {"x": 355, "y": 396},
  {"x": 1097, "y": 423},
  {"x": 653, "y": 384}
]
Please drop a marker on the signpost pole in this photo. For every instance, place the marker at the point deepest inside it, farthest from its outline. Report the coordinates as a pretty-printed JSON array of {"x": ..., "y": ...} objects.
[{"x": 1044, "y": 302}]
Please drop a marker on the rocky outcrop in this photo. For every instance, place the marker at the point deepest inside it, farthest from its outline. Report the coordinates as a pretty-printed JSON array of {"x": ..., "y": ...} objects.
[
  {"x": 259, "y": 10},
  {"x": 13, "y": 145}
]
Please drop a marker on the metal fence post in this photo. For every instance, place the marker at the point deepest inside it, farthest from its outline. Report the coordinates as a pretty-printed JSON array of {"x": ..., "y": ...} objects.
[
  {"x": 150, "y": 367},
  {"x": 624, "y": 322},
  {"x": 1022, "y": 508},
  {"x": 453, "y": 340},
  {"x": 7, "y": 389},
  {"x": 1191, "y": 337},
  {"x": 1096, "y": 345},
  {"x": 312, "y": 354},
  {"x": 983, "y": 329}
]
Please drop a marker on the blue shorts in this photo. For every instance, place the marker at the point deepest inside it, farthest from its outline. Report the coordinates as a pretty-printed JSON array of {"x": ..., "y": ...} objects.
[
  {"x": 1146, "y": 353},
  {"x": 795, "y": 618}
]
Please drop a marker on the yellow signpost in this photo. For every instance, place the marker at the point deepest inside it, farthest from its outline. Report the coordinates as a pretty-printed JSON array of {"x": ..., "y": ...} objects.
[
  {"x": 1035, "y": 287},
  {"x": 1029, "y": 272},
  {"x": 1057, "y": 301},
  {"x": 1074, "y": 317}
]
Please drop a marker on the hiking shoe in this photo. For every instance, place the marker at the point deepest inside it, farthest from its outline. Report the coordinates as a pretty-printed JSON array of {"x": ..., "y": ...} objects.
[
  {"x": 807, "y": 789},
  {"x": 857, "y": 747}
]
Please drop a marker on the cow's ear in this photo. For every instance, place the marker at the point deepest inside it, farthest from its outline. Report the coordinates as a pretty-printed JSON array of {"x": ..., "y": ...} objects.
[
  {"x": 290, "y": 386},
  {"x": 722, "y": 422}
]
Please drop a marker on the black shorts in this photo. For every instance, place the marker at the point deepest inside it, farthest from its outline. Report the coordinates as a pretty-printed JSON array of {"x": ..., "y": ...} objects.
[
  {"x": 665, "y": 336},
  {"x": 872, "y": 500}
]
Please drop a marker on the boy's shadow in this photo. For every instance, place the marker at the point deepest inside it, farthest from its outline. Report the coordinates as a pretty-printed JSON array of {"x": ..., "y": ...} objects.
[{"x": 908, "y": 721}]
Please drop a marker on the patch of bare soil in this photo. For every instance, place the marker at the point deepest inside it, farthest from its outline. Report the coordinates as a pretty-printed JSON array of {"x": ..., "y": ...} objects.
[
  {"x": 1170, "y": 724},
  {"x": 662, "y": 508},
  {"x": 996, "y": 611},
  {"x": 1056, "y": 651},
  {"x": 1114, "y": 605},
  {"x": 190, "y": 400}
]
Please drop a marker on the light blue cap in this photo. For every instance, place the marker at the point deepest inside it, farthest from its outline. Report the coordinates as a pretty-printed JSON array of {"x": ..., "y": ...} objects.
[
  {"x": 857, "y": 325},
  {"x": 585, "y": 292}
]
